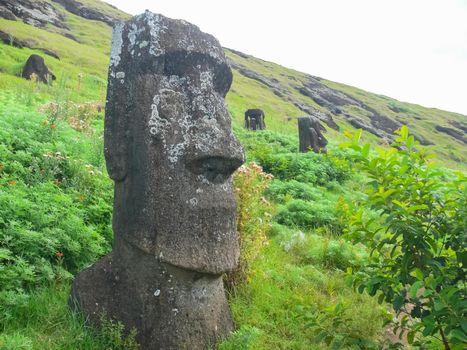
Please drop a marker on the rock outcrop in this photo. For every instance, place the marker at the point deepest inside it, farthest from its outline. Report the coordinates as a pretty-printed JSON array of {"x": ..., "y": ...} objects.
[
  {"x": 457, "y": 134},
  {"x": 80, "y": 9},
  {"x": 170, "y": 150},
  {"x": 38, "y": 13}
]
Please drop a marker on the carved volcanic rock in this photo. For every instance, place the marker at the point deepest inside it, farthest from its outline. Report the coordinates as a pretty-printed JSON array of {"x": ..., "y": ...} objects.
[
  {"x": 38, "y": 13},
  {"x": 170, "y": 149},
  {"x": 310, "y": 135},
  {"x": 36, "y": 65}
]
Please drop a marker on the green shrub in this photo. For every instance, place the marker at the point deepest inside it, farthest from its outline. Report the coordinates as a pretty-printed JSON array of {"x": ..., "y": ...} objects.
[
  {"x": 281, "y": 190},
  {"x": 308, "y": 215},
  {"x": 253, "y": 218},
  {"x": 419, "y": 260},
  {"x": 55, "y": 209},
  {"x": 323, "y": 251},
  {"x": 304, "y": 167}
]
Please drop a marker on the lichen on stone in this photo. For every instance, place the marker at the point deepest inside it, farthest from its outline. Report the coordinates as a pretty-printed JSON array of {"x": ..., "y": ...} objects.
[{"x": 117, "y": 43}]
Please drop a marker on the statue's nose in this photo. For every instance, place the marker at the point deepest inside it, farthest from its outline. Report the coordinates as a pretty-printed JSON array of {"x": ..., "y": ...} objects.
[{"x": 216, "y": 169}]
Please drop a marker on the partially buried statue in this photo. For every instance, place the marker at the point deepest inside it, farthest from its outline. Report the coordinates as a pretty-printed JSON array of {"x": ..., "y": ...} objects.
[
  {"x": 171, "y": 152},
  {"x": 310, "y": 135},
  {"x": 254, "y": 119}
]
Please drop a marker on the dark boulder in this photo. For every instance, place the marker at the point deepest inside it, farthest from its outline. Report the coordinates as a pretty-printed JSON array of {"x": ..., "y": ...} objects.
[{"x": 35, "y": 65}]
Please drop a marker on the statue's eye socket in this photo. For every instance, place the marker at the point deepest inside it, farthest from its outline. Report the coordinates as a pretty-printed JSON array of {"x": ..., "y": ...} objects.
[{"x": 214, "y": 169}]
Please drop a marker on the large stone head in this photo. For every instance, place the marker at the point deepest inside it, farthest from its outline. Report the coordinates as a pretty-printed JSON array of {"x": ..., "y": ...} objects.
[{"x": 169, "y": 145}]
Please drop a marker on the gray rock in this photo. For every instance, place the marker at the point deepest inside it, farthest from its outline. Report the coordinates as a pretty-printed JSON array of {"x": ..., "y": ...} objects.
[
  {"x": 324, "y": 117},
  {"x": 9, "y": 39},
  {"x": 38, "y": 13},
  {"x": 457, "y": 134},
  {"x": 170, "y": 149},
  {"x": 36, "y": 65},
  {"x": 310, "y": 135},
  {"x": 7, "y": 14},
  {"x": 360, "y": 124}
]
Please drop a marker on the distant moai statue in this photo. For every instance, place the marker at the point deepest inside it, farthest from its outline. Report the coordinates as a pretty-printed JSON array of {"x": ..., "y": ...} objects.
[
  {"x": 35, "y": 66},
  {"x": 254, "y": 119},
  {"x": 310, "y": 135},
  {"x": 171, "y": 152}
]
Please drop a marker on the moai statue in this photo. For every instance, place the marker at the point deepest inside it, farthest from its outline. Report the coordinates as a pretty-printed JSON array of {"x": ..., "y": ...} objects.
[
  {"x": 310, "y": 135},
  {"x": 170, "y": 150},
  {"x": 254, "y": 119}
]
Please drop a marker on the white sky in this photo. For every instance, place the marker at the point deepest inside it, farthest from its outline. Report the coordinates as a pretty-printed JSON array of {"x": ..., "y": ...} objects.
[{"x": 412, "y": 50}]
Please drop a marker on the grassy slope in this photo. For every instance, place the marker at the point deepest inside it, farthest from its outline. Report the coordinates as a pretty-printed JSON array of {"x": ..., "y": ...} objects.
[
  {"x": 90, "y": 57},
  {"x": 421, "y": 120}
]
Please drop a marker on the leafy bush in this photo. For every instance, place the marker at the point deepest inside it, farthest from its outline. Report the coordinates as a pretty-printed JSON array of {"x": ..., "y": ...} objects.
[
  {"x": 55, "y": 209},
  {"x": 323, "y": 251},
  {"x": 253, "y": 218},
  {"x": 419, "y": 261},
  {"x": 308, "y": 215},
  {"x": 281, "y": 190},
  {"x": 303, "y": 167},
  {"x": 266, "y": 142}
]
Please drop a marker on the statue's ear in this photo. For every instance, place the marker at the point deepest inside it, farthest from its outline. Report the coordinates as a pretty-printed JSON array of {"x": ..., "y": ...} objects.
[
  {"x": 116, "y": 109},
  {"x": 116, "y": 129},
  {"x": 116, "y": 133}
]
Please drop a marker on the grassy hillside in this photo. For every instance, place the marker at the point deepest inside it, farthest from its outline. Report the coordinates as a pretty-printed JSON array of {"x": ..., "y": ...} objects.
[
  {"x": 292, "y": 288},
  {"x": 88, "y": 55}
]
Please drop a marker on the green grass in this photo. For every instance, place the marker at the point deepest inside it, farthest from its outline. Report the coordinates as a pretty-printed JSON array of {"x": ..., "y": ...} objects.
[
  {"x": 45, "y": 321},
  {"x": 284, "y": 296}
]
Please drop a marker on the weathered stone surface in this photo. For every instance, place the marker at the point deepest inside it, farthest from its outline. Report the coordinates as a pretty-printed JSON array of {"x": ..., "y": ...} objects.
[
  {"x": 38, "y": 13},
  {"x": 254, "y": 119},
  {"x": 36, "y": 65},
  {"x": 171, "y": 308},
  {"x": 7, "y": 14},
  {"x": 171, "y": 152},
  {"x": 310, "y": 135}
]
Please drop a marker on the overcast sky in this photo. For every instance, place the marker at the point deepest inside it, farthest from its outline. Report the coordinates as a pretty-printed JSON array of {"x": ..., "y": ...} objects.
[{"x": 412, "y": 50}]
